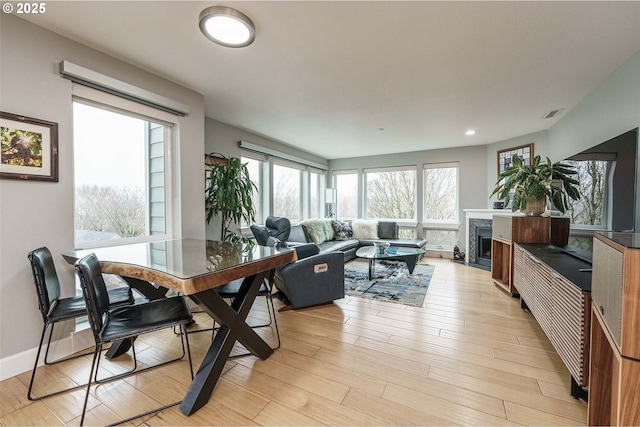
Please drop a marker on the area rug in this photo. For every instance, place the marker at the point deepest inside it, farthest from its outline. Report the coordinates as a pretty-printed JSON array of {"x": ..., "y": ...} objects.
[{"x": 392, "y": 281}]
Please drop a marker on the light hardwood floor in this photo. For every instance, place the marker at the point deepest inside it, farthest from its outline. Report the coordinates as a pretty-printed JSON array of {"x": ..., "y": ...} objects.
[{"x": 470, "y": 356}]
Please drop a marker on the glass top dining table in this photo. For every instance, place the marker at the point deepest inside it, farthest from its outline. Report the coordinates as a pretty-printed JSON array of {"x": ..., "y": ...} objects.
[
  {"x": 188, "y": 266},
  {"x": 195, "y": 268}
]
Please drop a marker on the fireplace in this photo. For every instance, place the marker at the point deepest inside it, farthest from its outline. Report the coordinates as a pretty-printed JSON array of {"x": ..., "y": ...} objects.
[
  {"x": 483, "y": 246},
  {"x": 480, "y": 243}
]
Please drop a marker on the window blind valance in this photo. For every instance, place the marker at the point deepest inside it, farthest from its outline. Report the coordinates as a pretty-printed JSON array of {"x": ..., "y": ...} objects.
[{"x": 93, "y": 79}]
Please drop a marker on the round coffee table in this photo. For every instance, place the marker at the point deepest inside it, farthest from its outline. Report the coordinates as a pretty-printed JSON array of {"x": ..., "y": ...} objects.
[{"x": 409, "y": 255}]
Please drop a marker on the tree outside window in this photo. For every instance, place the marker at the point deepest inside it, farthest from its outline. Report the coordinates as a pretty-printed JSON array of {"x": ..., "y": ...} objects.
[
  {"x": 255, "y": 175},
  {"x": 391, "y": 194},
  {"x": 346, "y": 185},
  {"x": 314, "y": 195},
  {"x": 119, "y": 174},
  {"x": 440, "y": 205},
  {"x": 440, "y": 193},
  {"x": 592, "y": 177},
  {"x": 590, "y": 210},
  {"x": 287, "y": 192}
]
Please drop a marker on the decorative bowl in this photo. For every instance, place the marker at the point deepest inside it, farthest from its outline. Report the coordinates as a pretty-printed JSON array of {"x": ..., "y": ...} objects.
[{"x": 381, "y": 246}]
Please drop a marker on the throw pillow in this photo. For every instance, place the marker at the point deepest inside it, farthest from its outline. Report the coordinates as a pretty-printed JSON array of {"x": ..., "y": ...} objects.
[
  {"x": 329, "y": 233},
  {"x": 365, "y": 229},
  {"x": 342, "y": 229},
  {"x": 315, "y": 229}
]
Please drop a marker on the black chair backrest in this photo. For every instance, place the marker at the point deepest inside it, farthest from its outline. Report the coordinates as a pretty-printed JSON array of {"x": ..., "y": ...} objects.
[
  {"x": 45, "y": 279},
  {"x": 275, "y": 232},
  {"x": 94, "y": 291},
  {"x": 278, "y": 227}
]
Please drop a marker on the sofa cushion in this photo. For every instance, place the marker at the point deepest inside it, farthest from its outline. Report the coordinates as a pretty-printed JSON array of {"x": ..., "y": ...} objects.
[
  {"x": 318, "y": 229},
  {"x": 387, "y": 230},
  {"x": 342, "y": 229},
  {"x": 339, "y": 245},
  {"x": 298, "y": 235},
  {"x": 365, "y": 229}
]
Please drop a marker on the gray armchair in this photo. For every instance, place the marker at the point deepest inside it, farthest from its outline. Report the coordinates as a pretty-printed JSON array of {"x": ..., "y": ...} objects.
[{"x": 311, "y": 280}]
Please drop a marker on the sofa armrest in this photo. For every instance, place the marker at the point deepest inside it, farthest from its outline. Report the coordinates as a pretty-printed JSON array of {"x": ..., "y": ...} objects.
[{"x": 305, "y": 250}]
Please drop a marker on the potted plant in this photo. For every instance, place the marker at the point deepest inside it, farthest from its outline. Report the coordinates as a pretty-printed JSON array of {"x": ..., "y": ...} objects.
[
  {"x": 229, "y": 194},
  {"x": 530, "y": 185}
]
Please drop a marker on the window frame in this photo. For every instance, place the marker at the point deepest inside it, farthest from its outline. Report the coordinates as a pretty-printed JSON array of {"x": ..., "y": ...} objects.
[
  {"x": 116, "y": 104},
  {"x": 607, "y": 217},
  {"x": 290, "y": 165},
  {"x": 334, "y": 183},
  {"x": 452, "y": 225}
]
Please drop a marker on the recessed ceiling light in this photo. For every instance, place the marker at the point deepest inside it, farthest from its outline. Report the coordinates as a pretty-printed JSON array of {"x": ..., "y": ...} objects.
[
  {"x": 227, "y": 26},
  {"x": 470, "y": 132}
]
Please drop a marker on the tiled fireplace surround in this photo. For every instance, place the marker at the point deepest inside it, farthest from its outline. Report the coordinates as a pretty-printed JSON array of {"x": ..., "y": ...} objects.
[{"x": 478, "y": 218}]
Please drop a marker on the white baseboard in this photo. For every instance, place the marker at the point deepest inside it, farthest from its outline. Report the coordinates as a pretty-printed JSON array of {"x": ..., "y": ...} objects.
[{"x": 22, "y": 362}]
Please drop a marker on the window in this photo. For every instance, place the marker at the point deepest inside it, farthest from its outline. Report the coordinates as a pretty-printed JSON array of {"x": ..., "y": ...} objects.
[
  {"x": 314, "y": 195},
  {"x": 590, "y": 209},
  {"x": 346, "y": 185},
  {"x": 121, "y": 172},
  {"x": 441, "y": 193},
  {"x": 254, "y": 167},
  {"x": 440, "y": 205},
  {"x": 391, "y": 193},
  {"x": 441, "y": 239},
  {"x": 287, "y": 192}
]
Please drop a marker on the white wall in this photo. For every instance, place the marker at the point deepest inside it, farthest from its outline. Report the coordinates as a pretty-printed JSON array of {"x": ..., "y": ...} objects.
[
  {"x": 611, "y": 109},
  {"x": 34, "y": 214}
]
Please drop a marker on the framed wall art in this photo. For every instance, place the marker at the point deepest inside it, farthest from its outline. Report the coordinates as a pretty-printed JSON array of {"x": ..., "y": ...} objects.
[
  {"x": 29, "y": 148},
  {"x": 505, "y": 157}
]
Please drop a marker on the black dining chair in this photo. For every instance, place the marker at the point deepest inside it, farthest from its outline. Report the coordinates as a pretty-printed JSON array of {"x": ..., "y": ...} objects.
[
  {"x": 55, "y": 309},
  {"x": 127, "y": 322}
]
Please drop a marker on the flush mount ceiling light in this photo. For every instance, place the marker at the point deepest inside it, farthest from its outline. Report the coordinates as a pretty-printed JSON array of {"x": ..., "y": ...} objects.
[
  {"x": 470, "y": 132},
  {"x": 227, "y": 26}
]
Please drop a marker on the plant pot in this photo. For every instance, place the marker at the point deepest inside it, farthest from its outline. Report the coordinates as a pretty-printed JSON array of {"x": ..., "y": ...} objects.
[{"x": 536, "y": 207}]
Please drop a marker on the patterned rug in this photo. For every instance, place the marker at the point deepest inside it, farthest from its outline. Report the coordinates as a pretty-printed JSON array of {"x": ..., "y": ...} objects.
[{"x": 392, "y": 281}]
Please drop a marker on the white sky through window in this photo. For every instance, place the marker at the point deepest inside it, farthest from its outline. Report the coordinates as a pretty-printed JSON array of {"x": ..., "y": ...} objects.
[{"x": 109, "y": 148}]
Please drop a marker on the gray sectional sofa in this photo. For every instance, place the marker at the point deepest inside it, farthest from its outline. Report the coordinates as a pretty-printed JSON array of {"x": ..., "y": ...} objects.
[
  {"x": 322, "y": 246},
  {"x": 386, "y": 231}
]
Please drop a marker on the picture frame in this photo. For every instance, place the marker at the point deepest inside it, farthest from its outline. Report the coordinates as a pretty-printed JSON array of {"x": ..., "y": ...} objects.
[
  {"x": 29, "y": 148},
  {"x": 525, "y": 152}
]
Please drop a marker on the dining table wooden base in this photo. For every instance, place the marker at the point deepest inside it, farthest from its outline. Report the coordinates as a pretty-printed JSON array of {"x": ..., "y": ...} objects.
[{"x": 233, "y": 328}]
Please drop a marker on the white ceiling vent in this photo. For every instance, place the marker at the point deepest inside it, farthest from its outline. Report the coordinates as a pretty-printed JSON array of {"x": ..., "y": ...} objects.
[{"x": 551, "y": 114}]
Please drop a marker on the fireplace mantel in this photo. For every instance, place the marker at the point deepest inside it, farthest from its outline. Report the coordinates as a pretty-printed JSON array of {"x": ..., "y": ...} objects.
[{"x": 482, "y": 214}]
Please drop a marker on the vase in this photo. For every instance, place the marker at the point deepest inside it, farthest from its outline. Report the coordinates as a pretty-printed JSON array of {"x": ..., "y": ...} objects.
[{"x": 536, "y": 207}]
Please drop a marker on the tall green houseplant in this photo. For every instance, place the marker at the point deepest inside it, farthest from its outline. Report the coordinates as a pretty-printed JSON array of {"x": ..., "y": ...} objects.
[
  {"x": 535, "y": 182},
  {"x": 229, "y": 194}
]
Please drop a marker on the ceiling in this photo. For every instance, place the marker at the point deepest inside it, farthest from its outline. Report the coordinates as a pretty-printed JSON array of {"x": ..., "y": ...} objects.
[{"x": 343, "y": 79}]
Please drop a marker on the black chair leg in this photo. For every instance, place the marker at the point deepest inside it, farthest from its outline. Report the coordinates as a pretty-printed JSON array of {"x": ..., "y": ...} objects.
[
  {"x": 135, "y": 369},
  {"x": 86, "y": 396},
  {"x": 64, "y": 359},
  {"x": 96, "y": 362},
  {"x": 275, "y": 320},
  {"x": 35, "y": 366}
]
